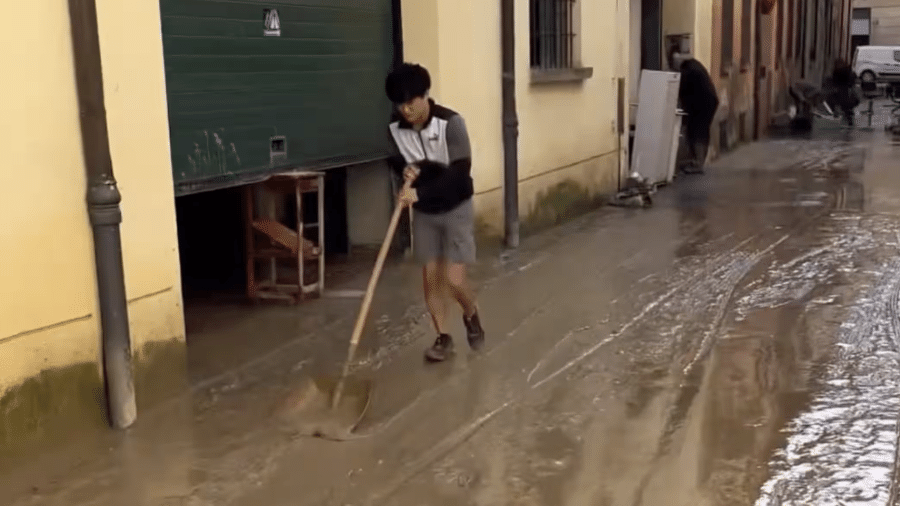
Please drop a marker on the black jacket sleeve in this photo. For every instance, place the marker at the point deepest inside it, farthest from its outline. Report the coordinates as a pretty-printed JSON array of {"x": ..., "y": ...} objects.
[{"x": 455, "y": 179}]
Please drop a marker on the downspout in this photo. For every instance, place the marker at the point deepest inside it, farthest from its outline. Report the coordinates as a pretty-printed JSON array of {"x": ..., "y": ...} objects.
[
  {"x": 397, "y": 32},
  {"x": 105, "y": 215},
  {"x": 510, "y": 125},
  {"x": 403, "y": 240}
]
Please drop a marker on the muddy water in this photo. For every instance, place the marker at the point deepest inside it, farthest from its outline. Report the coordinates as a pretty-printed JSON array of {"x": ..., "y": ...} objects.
[
  {"x": 723, "y": 379},
  {"x": 735, "y": 345}
]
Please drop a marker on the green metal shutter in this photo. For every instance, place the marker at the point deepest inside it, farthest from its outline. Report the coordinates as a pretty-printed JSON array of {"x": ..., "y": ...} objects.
[{"x": 243, "y": 104}]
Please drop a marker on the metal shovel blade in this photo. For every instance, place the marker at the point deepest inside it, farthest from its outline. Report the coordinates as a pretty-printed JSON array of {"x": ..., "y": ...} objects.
[{"x": 309, "y": 410}]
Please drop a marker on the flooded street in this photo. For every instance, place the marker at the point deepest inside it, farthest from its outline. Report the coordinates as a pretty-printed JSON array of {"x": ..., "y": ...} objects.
[{"x": 738, "y": 344}]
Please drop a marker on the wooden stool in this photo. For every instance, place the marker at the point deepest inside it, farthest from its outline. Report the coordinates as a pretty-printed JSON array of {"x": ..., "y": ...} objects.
[{"x": 270, "y": 240}]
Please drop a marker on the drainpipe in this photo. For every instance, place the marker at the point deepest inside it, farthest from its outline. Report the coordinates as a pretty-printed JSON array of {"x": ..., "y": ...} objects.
[
  {"x": 105, "y": 215},
  {"x": 510, "y": 125},
  {"x": 397, "y": 32}
]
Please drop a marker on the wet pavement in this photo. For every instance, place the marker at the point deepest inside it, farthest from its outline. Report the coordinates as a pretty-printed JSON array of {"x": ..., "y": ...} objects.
[{"x": 737, "y": 344}]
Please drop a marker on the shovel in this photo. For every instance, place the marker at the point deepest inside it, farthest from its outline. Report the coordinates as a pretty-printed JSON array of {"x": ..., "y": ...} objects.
[{"x": 332, "y": 409}]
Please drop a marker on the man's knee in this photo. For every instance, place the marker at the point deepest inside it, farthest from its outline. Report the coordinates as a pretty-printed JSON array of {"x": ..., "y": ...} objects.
[
  {"x": 456, "y": 277},
  {"x": 433, "y": 273}
]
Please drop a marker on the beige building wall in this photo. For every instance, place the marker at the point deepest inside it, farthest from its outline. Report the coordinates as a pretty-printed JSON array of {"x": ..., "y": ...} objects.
[
  {"x": 886, "y": 26},
  {"x": 679, "y": 16},
  {"x": 692, "y": 17},
  {"x": 703, "y": 31},
  {"x": 568, "y": 142},
  {"x": 50, "y": 351}
]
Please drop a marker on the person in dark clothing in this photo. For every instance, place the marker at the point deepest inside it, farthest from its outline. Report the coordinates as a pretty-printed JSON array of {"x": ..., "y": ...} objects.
[
  {"x": 843, "y": 93},
  {"x": 699, "y": 99},
  {"x": 431, "y": 147},
  {"x": 843, "y": 75}
]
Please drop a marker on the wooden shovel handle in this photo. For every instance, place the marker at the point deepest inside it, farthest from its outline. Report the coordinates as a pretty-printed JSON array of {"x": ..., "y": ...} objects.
[{"x": 370, "y": 293}]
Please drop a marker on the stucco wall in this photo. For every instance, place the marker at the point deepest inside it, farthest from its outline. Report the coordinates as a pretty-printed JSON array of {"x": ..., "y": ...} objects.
[
  {"x": 885, "y": 26},
  {"x": 735, "y": 85},
  {"x": 49, "y": 337},
  {"x": 703, "y": 31},
  {"x": 859, "y": 4},
  {"x": 562, "y": 127},
  {"x": 679, "y": 16}
]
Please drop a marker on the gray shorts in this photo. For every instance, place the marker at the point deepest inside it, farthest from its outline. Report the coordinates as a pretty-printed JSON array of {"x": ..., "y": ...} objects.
[{"x": 448, "y": 236}]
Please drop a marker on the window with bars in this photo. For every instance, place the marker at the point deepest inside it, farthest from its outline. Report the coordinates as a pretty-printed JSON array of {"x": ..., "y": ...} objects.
[{"x": 553, "y": 34}]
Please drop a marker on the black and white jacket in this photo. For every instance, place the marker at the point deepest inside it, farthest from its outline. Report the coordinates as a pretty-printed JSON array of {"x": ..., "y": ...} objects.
[{"x": 442, "y": 152}]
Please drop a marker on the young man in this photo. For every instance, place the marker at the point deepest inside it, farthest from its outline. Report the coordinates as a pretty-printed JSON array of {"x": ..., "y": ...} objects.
[
  {"x": 700, "y": 100},
  {"x": 431, "y": 148}
]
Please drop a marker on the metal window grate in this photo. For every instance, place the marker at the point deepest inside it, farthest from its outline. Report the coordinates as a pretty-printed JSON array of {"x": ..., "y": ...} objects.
[{"x": 552, "y": 33}]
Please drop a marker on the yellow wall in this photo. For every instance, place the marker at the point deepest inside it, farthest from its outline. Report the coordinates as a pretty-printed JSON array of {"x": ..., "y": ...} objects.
[
  {"x": 860, "y": 4},
  {"x": 678, "y": 17},
  {"x": 566, "y": 131},
  {"x": 48, "y": 315},
  {"x": 694, "y": 17},
  {"x": 458, "y": 42},
  {"x": 703, "y": 30}
]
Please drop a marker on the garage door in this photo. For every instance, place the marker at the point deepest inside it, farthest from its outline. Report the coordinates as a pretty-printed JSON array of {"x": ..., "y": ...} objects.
[{"x": 256, "y": 87}]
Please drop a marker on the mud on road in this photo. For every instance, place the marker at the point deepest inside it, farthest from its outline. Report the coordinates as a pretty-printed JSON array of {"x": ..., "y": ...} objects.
[{"x": 737, "y": 344}]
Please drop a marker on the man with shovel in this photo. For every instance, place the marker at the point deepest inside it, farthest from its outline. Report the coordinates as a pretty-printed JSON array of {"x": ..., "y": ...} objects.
[{"x": 431, "y": 149}]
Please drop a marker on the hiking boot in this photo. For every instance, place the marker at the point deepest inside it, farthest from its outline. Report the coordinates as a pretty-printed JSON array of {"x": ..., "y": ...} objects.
[
  {"x": 441, "y": 349},
  {"x": 474, "y": 332}
]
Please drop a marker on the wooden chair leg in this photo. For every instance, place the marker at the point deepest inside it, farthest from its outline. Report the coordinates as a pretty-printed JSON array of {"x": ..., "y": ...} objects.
[
  {"x": 300, "y": 255},
  {"x": 321, "y": 220},
  {"x": 249, "y": 249}
]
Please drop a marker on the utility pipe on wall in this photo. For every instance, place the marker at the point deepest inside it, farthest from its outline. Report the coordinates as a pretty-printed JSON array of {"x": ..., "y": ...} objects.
[
  {"x": 105, "y": 215},
  {"x": 510, "y": 125}
]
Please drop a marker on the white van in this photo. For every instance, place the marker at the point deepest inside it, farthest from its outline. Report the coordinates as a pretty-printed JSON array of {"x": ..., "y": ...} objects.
[{"x": 877, "y": 63}]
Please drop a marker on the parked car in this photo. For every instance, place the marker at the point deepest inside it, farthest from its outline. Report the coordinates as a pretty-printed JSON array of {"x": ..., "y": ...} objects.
[{"x": 877, "y": 63}]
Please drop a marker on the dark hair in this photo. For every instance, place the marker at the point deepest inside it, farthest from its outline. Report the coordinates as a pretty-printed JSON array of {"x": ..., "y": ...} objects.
[{"x": 406, "y": 82}]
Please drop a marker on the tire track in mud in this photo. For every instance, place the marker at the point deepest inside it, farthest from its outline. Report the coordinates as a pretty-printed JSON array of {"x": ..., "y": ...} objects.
[
  {"x": 843, "y": 448},
  {"x": 894, "y": 309},
  {"x": 694, "y": 279},
  {"x": 722, "y": 295},
  {"x": 543, "y": 307},
  {"x": 688, "y": 279},
  {"x": 729, "y": 284}
]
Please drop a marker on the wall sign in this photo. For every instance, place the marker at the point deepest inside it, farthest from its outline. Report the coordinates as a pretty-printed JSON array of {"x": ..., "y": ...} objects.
[{"x": 271, "y": 23}]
